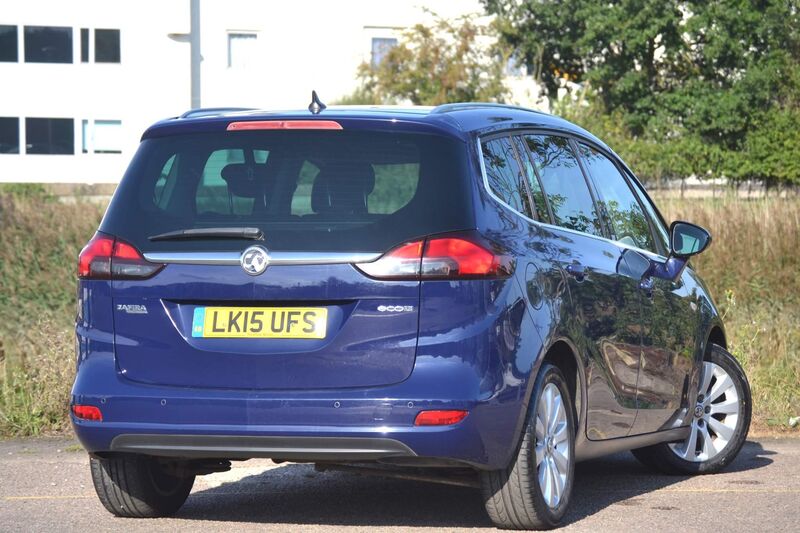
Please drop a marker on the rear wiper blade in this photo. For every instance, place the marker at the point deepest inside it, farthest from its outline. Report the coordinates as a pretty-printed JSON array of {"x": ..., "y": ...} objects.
[{"x": 254, "y": 234}]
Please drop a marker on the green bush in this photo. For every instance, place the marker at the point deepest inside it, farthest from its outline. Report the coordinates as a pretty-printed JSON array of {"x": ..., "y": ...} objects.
[{"x": 40, "y": 238}]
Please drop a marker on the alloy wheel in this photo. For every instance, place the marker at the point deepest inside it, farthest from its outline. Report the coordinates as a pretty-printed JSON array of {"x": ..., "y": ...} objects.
[
  {"x": 715, "y": 416},
  {"x": 552, "y": 445}
]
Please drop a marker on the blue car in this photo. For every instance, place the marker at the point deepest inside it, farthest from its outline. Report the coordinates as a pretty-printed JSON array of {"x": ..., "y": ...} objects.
[{"x": 471, "y": 293}]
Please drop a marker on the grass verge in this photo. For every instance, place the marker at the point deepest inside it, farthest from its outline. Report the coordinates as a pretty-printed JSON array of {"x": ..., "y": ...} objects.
[{"x": 752, "y": 268}]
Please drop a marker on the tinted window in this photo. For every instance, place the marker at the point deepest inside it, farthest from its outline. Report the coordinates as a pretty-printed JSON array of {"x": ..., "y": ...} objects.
[
  {"x": 534, "y": 186},
  {"x": 564, "y": 183},
  {"x": 48, "y": 44},
  {"x": 9, "y": 135},
  {"x": 106, "y": 46},
  {"x": 622, "y": 209},
  {"x": 504, "y": 175},
  {"x": 8, "y": 43},
  {"x": 49, "y": 136},
  {"x": 308, "y": 190}
]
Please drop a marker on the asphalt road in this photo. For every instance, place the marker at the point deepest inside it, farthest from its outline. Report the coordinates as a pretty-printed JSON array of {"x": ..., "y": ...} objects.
[{"x": 45, "y": 486}]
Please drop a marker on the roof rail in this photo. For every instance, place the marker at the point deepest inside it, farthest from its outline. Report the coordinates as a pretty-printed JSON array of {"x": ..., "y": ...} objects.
[
  {"x": 211, "y": 111},
  {"x": 463, "y": 106}
]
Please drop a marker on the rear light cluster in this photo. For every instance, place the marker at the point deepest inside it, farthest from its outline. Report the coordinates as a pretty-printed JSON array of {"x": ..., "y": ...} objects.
[
  {"x": 108, "y": 258},
  {"x": 446, "y": 257}
]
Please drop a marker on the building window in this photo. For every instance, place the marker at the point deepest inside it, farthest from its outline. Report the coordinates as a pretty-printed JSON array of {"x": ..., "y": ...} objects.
[
  {"x": 8, "y": 44},
  {"x": 9, "y": 135},
  {"x": 106, "y": 46},
  {"x": 242, "y": 50},
  {"x": 48, "y": 44},
  {"x": 381, "y": 47},
  {"x": 49, "y": 136},
  {"x": 84, "y": 45},
  {"x": 102, "y": 136}
]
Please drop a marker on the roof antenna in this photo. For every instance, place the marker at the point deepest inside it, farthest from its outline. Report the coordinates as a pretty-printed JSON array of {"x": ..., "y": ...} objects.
[{"x": 316, "y": 106}]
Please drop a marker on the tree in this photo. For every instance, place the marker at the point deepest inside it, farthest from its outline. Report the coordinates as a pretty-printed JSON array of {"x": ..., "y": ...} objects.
[
  {"x": 696, "y": 84},
  {"x": 445, "y": 62}
]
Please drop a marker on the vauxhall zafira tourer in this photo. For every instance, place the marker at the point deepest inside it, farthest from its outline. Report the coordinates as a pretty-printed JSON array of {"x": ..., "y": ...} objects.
[{"x": 471, "y": 292}]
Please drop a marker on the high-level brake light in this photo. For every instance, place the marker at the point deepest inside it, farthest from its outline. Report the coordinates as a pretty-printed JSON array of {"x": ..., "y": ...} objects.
[{"x": 284, "y": 125}]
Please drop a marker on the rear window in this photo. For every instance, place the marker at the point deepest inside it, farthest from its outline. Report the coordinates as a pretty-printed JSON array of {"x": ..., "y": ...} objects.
[{"x": 307, "y": 190}]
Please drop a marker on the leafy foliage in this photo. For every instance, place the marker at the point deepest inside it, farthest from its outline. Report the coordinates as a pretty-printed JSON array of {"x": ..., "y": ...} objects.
[
  {"x": 448, "y": 61},
  {"x": 681, "y": 86}
]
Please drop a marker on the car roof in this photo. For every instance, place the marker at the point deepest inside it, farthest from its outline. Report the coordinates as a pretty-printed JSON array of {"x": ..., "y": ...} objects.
[{"x": 462, "y": 120}]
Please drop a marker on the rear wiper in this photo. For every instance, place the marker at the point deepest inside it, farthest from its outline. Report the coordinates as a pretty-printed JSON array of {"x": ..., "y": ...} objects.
[{"x": 254, "y": 234}]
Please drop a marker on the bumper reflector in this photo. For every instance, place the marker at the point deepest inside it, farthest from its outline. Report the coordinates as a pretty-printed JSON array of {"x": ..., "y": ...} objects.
[
  {"x": 87, "y": 412},
  {"x": 440, "y": 418}
]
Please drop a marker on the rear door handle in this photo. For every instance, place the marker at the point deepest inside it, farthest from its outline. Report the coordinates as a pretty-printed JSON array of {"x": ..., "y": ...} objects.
[{"x": 576, "y": 270}]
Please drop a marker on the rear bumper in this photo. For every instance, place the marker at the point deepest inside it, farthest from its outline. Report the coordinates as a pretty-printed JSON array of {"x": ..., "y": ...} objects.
[
  {"x": 246, "y": 447},
  {"x": 463, "y": 443},
  {"x": 334, "y": 425}
]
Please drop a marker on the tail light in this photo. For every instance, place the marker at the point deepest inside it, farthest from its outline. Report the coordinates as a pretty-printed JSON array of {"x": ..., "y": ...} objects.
[
  {"x": 440, "y": 418},
  {"x": 106, "y": 257},
  {"x": 446, "y": 257}
]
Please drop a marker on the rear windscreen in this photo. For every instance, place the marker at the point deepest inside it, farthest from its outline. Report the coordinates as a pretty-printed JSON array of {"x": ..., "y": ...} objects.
[{"x": 306, "y": 190}]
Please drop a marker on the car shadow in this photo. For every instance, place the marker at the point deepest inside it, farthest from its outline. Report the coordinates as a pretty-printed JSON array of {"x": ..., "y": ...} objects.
[
  {"x": 296, "y": 494},
  {"x": 619, "y": 479}
]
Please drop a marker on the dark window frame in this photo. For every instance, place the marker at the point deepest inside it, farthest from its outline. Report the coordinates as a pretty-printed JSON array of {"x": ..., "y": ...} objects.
[
  {"x": 84, "y": 36},
  {"x": 29, "y": 50},
  {"x": 19, "y": 144},
  {"x": 16, "y": 43},
  {"x": 117, "y": 57},
  {"x": 29, "y": 129}
]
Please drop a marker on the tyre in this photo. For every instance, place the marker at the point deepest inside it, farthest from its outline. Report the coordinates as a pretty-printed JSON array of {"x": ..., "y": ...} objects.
[
  {"x": 138, "y": 486},
  {"x": 719, "y": 426},
  {"x": 534, "y": 491}
]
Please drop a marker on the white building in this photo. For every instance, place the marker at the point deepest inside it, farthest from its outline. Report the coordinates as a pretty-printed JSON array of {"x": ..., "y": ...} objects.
[{"x": 81, "y": 81}]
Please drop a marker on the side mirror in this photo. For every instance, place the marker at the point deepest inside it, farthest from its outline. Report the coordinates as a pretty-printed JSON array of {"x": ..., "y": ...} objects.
[{"x": 687, "y": 239}]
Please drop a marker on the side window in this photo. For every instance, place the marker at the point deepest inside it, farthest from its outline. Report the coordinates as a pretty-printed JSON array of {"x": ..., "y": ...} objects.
[
  {"x": 564, "y": 184},
  {"x": 662, "y": 234},
  {"x": 504, "y": 175},
  {"x": 623, "y": 211},
  {"x": 539, "y": 204}
]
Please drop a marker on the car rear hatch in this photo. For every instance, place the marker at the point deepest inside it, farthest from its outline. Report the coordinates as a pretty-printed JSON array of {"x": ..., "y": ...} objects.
[{"x": 314, "y": 203}]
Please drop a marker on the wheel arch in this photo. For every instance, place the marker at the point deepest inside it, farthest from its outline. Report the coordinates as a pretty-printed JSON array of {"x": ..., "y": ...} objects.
[{"x": 716, "y": 335}]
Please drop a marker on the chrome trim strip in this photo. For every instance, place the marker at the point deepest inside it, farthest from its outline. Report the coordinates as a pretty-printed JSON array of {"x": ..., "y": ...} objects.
[
  {"x": 275, "y": 258},
  {"x": 546, "y": 225}
]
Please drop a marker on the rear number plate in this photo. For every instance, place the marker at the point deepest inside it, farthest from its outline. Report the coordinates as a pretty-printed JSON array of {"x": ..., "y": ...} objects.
[{"x": 260, "y": 322}]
